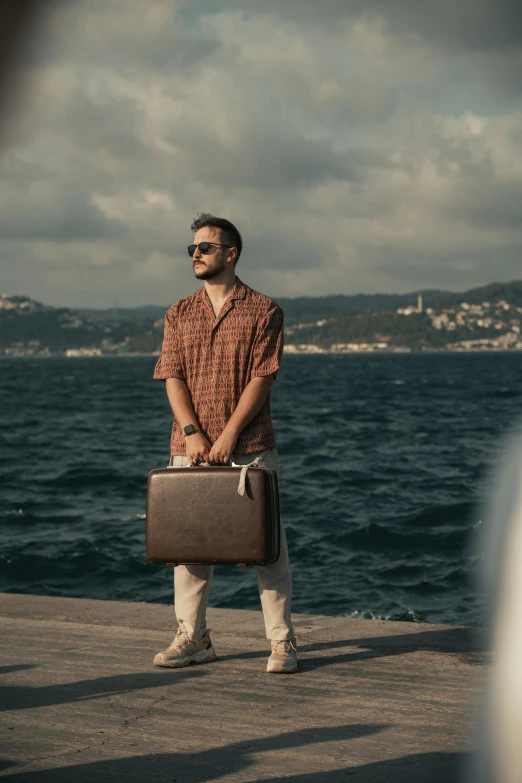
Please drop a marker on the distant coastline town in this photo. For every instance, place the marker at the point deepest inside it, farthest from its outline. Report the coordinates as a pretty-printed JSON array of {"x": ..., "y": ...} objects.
[
  {"x": 500, "y": 316},
  {"x": 482, "y": 319}
]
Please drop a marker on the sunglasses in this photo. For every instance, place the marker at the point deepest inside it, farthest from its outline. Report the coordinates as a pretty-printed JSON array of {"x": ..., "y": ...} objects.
[{"x": 203, "y": 248}]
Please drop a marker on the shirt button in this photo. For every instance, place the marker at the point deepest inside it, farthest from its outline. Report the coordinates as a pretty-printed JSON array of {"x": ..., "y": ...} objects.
[{"x": 212, "y": 380}]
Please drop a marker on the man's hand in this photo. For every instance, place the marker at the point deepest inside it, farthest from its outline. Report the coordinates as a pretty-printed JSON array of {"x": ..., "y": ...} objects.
[
  {"x": 223, "y": 448},
  {"x": 197, "y": 448}
]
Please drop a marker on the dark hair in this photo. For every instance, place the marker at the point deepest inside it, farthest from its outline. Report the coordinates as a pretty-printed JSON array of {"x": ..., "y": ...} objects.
[{"x": 229, "y": 232}]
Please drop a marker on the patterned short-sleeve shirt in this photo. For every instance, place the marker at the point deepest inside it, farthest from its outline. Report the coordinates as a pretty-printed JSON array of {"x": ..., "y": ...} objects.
[{"x": 217, "y": 358}]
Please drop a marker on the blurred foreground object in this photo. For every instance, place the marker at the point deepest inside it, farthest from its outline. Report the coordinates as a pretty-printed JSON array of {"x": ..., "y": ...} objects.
[
  {"x": 499, "y": 758},
  {"x": 21, "y": 28}
]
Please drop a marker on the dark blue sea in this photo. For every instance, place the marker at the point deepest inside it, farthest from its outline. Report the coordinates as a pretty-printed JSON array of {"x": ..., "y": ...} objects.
[{"x": 385, "y": 461}]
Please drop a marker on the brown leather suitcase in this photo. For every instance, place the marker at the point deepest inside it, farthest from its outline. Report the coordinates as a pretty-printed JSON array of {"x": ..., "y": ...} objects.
[{"x": 197, "y": 514}]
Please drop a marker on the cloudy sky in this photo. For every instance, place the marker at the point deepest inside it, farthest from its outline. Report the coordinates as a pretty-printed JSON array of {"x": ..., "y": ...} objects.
[{"x": 358, "y": 145}]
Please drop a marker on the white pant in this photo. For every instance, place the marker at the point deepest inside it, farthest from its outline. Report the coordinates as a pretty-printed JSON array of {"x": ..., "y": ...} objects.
[{"x": 192, "y": 582}]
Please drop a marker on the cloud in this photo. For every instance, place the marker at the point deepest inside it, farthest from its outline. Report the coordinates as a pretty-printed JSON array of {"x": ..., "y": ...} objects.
[
  {"x": 357, "y": 146},
  {"x": 60, "y": 215},
  {"x": 263, "y": 159},
  {"x": 465, "y": 24},
  {"x": 127, "y": 34}
]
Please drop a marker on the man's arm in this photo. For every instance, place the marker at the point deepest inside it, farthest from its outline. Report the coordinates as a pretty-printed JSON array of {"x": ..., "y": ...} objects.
[
  {"x": 249, "y": 405},
  {"x": 197, "y": 446},
  {"x": 169, "y": 368},
  {"x": 266, "y": 352},
  {"x": 266, "y": 357}
]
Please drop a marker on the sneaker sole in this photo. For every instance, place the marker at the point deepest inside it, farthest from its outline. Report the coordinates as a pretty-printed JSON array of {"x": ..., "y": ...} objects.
[{"x": 204, "y": 656}]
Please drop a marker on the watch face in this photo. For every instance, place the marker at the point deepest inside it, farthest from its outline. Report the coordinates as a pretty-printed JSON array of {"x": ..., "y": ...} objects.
[{"x": 189, "y": 429}]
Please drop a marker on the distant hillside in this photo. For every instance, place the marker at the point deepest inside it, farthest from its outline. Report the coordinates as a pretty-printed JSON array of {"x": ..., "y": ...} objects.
[
  {"x": 145, "y": 312},
  {"x": 490, "y": 316},
  {"x": 308, "y": 308},
  {"x": 30, "y": 327},
  {"x": 313, "y": 308}
]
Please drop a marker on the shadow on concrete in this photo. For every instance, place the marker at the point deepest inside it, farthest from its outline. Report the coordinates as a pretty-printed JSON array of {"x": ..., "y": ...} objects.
[
  {"x": 200, "y": 766},
  {"x": 17, "y": 667},
  {"x": 240, "y": 756},
  {"x": 461, "y": 641},
  {"x": 425, "y": 767},
  {"x": 22, "y": 697}
]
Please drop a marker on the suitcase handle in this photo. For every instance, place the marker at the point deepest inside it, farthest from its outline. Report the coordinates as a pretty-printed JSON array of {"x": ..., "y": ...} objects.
[{"x": 242, "y": 475}]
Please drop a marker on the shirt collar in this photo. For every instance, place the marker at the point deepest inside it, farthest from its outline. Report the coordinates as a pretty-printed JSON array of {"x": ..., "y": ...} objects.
[{"x": 238, "y": 291}]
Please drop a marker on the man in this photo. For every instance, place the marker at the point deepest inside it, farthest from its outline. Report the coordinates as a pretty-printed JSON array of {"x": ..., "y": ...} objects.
[{"x": 221, "y": 353}]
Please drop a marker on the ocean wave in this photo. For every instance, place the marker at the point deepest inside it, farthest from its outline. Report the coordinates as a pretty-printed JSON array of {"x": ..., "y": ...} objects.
[{"x": 382, "y": 461}]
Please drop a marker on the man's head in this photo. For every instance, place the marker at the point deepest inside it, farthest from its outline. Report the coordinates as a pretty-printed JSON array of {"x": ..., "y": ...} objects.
[{"x": 225, "y": 245}]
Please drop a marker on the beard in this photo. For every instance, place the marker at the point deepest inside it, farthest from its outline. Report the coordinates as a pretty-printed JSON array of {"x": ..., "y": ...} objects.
[{"x": 208, "y": 274}]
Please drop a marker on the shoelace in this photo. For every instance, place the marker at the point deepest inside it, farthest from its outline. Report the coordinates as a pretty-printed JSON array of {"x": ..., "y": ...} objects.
[
  {"x": 182, "y": 638},
  {"x": 284, "y": 647}
]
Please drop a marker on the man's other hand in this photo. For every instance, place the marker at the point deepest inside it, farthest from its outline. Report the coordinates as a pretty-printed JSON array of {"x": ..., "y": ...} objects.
[
  {"x": 223, "y": 448},
  {"x": 197, "y": 448}
]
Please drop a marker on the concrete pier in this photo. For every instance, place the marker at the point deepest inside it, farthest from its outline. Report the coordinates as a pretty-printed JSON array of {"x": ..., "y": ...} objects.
[{"x": 373, "y": 701}]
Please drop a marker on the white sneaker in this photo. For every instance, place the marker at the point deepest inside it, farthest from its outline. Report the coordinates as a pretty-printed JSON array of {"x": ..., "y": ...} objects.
[
  {"x": 182, "y": 651},
  {"x": 284, "y": 657}
]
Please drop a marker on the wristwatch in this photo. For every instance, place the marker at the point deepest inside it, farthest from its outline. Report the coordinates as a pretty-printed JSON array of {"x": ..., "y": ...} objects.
[{"x": 190, "y": 429}]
